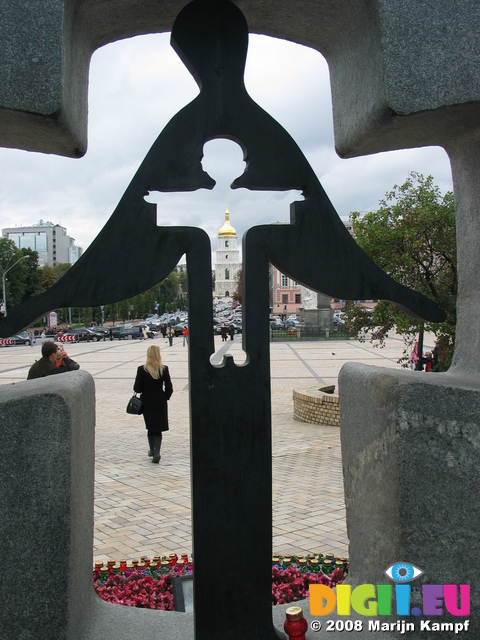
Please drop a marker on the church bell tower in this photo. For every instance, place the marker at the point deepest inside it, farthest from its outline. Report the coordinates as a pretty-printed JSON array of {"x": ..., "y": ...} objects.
[{"x": 227, "y": 264}]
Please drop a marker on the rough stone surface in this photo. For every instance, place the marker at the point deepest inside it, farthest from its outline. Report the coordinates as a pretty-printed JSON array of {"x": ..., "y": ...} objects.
[
  {"x": 465, "y": 154},
  {"x": 390, "y": 64},
  {"x": 435, "y": 42},
  {"x": 43, "y": 77},
  {"x": 46, "y": 492},
  {"x": 411, "y": 459}
]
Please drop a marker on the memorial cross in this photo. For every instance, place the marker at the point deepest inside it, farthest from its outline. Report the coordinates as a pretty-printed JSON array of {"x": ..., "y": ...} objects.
[{"x": 231, "y": 451}]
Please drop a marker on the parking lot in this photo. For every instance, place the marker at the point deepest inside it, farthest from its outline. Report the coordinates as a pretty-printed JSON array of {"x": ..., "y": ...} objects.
[{"x": 144, "y": 509}]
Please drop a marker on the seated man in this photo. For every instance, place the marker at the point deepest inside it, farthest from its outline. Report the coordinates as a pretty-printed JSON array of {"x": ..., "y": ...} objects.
[{"x": 53, "y": 360}]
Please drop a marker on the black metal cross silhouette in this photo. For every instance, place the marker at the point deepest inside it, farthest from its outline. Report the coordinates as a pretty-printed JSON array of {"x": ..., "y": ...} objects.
[{"x": 230, "y": 405}]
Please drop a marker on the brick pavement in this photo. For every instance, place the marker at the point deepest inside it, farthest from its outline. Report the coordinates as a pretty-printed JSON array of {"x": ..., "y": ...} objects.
[{"x": 144, "y": 509}]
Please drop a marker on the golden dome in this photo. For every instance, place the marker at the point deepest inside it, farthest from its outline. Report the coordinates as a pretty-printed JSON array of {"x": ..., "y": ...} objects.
[{"x": 226, "y": 230}]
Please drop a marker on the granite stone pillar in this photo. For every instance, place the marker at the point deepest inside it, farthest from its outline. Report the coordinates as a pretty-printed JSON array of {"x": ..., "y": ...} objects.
[
  {"x": 465, "y": 157},
  {"x": 46, "y": 523},
  {"x": 411, "y": 460},
  {"x": 46, "y": 493},
  {"x": 410, "y": 440}
]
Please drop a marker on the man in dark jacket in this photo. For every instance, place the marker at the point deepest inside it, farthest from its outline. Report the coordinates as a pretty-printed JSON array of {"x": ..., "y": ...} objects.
[
  {"x": 47, "y": 365},
  {"x": 63, "y": 362}
]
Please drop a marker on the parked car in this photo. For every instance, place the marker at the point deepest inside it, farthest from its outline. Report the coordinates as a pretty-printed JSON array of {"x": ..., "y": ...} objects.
[
  {"x": 217, "y": 329},
  {"x": 115, "y": 331},
  {"x": 98, "y": 329},
  {"x": 275, "y": 324},
  {"x": 152, "y": 321},
  {"x": 151, "y": 332},
  {"x": 178, "y": 328},
  {"x": 85, "y": 334},
  {"x": 236, "y": 326},
  {"x": 151, "y": 326},
  {"x": 134, "y": 330},
  {"x": 126, "y": 331}
]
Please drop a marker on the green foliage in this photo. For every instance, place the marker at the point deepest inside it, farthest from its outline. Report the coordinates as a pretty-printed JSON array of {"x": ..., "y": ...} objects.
[
  {"x": 61, "y": 269},
  {"x": 21, "y": 279},
  {"x": 26, "y": 279},
  {"x": 33, "y": 278},
  {"x": 48, "y": 277},
  {"x": 412, "y": 238},
  {"x": 168, "y": 295}
]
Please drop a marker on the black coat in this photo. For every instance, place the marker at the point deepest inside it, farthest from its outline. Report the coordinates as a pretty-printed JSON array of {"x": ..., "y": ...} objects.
[
  {"x": 68, "y": 365},
  {"x": 155, "y": 394},
  {"x": 41, "y": 368}
]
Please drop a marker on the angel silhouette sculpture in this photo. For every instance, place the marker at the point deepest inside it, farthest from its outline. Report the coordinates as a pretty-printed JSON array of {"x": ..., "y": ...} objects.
[{"x": 230, "y": 405}]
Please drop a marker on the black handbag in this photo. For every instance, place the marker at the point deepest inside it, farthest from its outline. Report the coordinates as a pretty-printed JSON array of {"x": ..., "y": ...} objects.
[{"x": 135, "y": 405}]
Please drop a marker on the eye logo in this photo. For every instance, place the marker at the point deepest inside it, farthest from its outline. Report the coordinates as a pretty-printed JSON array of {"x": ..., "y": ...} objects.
[
  {"x": 373, "y": 600},
  {"x": 403, "y": 572}
]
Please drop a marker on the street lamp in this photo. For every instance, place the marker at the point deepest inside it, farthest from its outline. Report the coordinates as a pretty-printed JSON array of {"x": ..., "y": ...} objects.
[{"x": 3, "y": 282}]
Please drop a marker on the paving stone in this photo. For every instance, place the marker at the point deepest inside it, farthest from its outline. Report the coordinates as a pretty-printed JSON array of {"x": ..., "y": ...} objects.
[{"x": 143, "y": 509}]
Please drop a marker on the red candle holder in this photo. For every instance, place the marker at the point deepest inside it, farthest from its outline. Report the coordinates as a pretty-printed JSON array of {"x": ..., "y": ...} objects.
[{"x": 295, "y": 625}]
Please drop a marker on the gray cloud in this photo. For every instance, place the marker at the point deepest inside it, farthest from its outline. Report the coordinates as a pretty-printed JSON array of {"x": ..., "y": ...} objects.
[{"x": 136, "y": 86}]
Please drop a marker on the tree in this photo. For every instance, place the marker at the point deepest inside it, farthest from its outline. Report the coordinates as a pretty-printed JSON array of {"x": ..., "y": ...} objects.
[
  {"x": 33, "y": 281},
  {"x": 169, "y": 295},
  {"x": 49, "y": 277},
  {"x": 412, "y": 238},
  {"x": 19, "y": 272},
  {"x": 61, "y": 269}
]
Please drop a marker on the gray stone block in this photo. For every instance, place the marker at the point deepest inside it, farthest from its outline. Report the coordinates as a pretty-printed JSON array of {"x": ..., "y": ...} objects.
[
  {"x": 43, "y": 77},
  {"x": 411, "y": 459},
  {"x": 403, "y": 73},
  {"x": 46, "y": 493}
]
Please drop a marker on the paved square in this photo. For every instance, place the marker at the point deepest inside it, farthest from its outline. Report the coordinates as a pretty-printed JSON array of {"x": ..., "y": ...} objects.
[{"x": 144, "y": 509}]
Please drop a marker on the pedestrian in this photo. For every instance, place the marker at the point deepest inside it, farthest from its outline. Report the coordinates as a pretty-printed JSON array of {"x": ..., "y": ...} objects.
[
  {"x": 223, "y": 331},
  {"x": 185, "y": 335},
  {"x": 170, "y": 334},
  {"x": 47, "y": 365},
  {"x": 163, "y": 329},
  {"x": 437, "y": 355},
  {"x": 414, "y": 356},
  {"x": 428, "y": 361},
  {"x": 231, "y": 331},
  {"x": 144, "y": 334},
  {"x": 153, "y": 382}
]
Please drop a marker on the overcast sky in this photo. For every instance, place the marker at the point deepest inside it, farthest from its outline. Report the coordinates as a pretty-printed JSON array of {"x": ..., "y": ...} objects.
[{"x": 136, "y": 86}]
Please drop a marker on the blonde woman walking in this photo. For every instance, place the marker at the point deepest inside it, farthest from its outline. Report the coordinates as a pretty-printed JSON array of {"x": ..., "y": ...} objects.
[{"x": 153, "y": 382}]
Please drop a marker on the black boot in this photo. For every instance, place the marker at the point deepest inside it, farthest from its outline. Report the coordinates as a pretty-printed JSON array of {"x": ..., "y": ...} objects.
[
  {"x": 157, "y": 442},
  {"x": 150, "y": 444}
]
